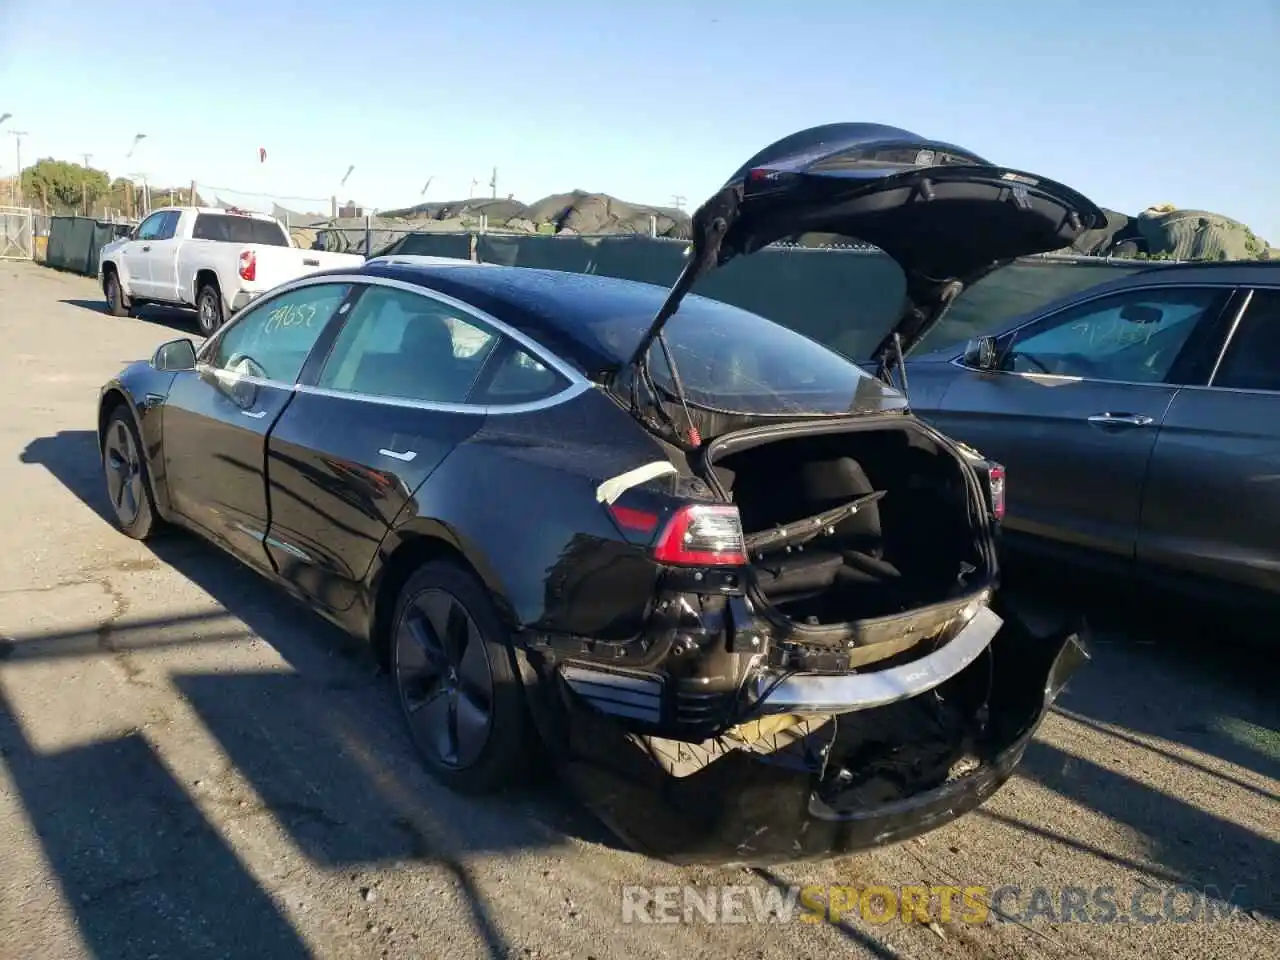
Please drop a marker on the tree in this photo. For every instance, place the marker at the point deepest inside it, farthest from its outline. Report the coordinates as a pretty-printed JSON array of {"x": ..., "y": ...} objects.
[{"x": 66, "y": 185}]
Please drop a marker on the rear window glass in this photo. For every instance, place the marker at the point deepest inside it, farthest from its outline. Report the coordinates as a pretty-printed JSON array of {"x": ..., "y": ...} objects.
[
  {"x": 232, "y": 229},
  {"x": 729, "y": 359}
]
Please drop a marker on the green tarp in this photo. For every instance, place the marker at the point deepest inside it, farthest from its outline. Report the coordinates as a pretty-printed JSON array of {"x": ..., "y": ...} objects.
[{"x": 75, "y": 242}]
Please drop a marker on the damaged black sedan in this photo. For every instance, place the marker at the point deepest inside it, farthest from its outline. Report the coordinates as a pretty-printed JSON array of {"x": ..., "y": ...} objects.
[{"x": 715, "y": 573}]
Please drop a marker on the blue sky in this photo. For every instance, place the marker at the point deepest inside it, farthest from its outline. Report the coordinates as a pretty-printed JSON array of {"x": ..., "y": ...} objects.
[{"x": 1132, "y": 103}]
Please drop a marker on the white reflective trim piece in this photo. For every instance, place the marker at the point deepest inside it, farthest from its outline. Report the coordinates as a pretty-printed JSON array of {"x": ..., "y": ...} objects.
[
  {"x": 405, "y": 456},
  {"x": 846, "y": 692},
  {"x": 614, "y": 487}
]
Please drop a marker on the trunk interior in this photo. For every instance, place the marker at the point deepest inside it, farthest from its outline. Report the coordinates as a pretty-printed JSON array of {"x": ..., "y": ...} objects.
[{"x": 910, "y": 543}]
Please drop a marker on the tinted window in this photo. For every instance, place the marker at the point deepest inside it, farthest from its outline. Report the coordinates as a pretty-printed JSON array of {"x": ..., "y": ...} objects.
[
  {"x": 1135, "y": 336},
  {"x": 232, "y": 229},
  {"x": 272, "y": 339},
  {"x": 401, "y": 344},
  {"x": 516, "y": 376},
  {"x": 734, "y": 360},
  {"x": 150, "y": 228},
  {"x": 1252, "y": 360}
]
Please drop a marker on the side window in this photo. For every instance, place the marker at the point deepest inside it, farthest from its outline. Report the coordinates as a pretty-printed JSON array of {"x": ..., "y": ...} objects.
[
  {"x": 150, "y": 228},
  {"x": 169, "y": 225},
  {"x": 1252, "y": 360},
  {"x": 1135, "y": 336},
  {"x": 409, "y": 346},
  {"x": 516, "y": 376},
  {"x": 271, "y": 340}
]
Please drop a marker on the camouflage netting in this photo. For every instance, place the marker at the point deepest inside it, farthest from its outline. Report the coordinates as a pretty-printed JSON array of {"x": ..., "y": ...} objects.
[{"x": 577, "y": 212}]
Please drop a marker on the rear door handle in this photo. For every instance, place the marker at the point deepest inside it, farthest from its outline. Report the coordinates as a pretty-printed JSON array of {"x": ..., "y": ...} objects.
[
  {"x": 406, "y": 456},
  {"x": 1122, "y": 419},
  {"x": 258, "y": 415}
]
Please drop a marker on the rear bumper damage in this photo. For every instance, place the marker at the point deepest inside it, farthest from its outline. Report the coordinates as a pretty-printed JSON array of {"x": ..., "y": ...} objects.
[{"x": 826, "y": 764}]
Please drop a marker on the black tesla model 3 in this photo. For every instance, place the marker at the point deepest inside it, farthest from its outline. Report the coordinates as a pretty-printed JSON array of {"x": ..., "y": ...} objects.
[{"x": 716, "y": 574}]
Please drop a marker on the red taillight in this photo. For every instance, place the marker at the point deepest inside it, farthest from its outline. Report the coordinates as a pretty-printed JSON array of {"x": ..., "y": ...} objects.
[
  {"x": 248, "y": 265},
  {"x": 702, "y": 535},
  {"x": 996, "y": 476}
]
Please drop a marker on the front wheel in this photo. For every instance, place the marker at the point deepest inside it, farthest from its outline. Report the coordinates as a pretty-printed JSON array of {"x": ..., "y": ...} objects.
[
  {"x": 128, "y": 480},
  {"x": 209, "y": 313},
  {"x": 116, "y": 304},
  {"x": 456, "y": 680}
]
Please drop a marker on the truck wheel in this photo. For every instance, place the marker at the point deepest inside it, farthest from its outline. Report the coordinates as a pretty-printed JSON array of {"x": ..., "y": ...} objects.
[
  {"x": 209, "y": 314},
  {"x": 116, "y": 305}
]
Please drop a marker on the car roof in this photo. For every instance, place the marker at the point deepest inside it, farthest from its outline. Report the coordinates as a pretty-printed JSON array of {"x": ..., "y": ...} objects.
[{"x": 554, "y": 307}]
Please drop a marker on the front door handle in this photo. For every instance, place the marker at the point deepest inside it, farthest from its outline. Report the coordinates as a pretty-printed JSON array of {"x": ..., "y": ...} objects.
[
  {"x": 256, "y": 415},
  {"x": 1122, "y": 419},
  {"x": 147, "y": 248},
  {"x": 406, "y": 456}
]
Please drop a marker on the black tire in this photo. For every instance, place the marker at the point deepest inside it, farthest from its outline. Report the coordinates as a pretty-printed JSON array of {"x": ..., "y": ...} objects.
[
  {"x": 209, "y": 311},
  {"x": 124, "y": 466},
  {"x": 456, "y": 680},
  {"x": 117, "y": 306}
]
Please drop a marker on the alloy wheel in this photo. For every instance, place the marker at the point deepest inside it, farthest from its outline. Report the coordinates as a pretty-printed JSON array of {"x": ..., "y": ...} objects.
[
  {"x": 444, "y": 678},
  {"x": 208, "y": 315},
  {"x": 124, "y": 473}
]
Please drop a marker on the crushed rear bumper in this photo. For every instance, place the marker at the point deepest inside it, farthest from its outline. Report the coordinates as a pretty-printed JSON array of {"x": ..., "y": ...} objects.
[{"x": 814, "y": 797}]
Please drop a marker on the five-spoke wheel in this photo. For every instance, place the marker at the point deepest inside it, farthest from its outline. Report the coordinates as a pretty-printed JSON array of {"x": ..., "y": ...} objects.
[{"x": 454, "y": 670}]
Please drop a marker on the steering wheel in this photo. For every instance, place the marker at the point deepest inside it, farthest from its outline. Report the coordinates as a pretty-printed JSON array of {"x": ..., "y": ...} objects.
[{"x": 247, "y": 365}]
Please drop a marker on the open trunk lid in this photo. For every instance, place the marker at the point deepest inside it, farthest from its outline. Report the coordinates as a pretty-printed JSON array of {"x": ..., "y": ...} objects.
[{"x": 947, "y": 216}]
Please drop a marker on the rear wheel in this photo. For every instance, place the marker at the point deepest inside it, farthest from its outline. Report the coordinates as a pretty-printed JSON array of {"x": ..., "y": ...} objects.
[
  {"x": 116, "y": 304},
  {"x": 454, "y": 673},
  {"x": 209, "y": 313},
  {"x": 128, "y": 481}
]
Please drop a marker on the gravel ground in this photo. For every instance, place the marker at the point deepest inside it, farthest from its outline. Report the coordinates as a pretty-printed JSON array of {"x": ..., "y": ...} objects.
[{"x": 191, "y": 765}]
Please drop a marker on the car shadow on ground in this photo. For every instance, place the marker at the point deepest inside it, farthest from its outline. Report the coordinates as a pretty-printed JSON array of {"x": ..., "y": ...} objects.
[
  {"x": 337, "y": 726},
  {"x": 180, "y": 321},
  {"x": 323, "y": 747}
]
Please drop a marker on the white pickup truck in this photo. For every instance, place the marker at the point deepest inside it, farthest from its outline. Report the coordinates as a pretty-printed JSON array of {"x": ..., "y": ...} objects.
[{"x": 209, "y": 259}]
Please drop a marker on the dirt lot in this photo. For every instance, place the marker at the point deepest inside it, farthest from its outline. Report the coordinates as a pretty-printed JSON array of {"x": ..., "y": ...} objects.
[{"x": 193, "y": 766}]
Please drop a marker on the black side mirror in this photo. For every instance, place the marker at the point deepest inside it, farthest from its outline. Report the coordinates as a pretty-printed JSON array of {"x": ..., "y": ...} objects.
[
  {"x": 174, "y": 356},
  {"x": 980, "y": 354}
]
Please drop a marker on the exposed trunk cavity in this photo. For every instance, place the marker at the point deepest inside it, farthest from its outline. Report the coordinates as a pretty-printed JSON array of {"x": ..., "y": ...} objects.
[{"x": 908, "y": 535}]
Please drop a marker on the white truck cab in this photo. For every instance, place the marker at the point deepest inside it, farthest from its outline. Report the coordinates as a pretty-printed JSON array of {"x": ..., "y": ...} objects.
[{"x": 210, "y": 259}]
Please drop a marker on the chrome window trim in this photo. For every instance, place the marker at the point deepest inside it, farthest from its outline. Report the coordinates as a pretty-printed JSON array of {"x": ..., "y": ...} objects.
[
  {"x": 1226, "y": 341},
  {"x": 577, "y": 382},
  {"x": 478, "y": 409},
  {"x": 958, "y": 361}
]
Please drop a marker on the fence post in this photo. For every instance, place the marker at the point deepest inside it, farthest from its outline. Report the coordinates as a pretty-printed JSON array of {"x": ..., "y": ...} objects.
[
  {"x": 653, "y": 225},
  {"x": 368, "y": 236},
  {"x": 475, "y": 248}
]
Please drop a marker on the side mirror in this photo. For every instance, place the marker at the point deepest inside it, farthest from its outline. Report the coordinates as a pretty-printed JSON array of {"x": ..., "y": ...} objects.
[
  {"x": 174, "y": 356},
  {"x": 980, "y": 354}
]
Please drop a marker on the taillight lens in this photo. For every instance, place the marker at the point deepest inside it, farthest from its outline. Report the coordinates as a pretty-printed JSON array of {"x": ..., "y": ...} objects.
[
  {"x": 702, "y": 535},
  {"x": 996, "y": 477},
  {"x": 248, "y": 265}
]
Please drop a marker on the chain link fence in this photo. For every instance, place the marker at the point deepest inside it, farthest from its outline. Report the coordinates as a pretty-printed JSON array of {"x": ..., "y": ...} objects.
[{"x": 17, "y": 234}]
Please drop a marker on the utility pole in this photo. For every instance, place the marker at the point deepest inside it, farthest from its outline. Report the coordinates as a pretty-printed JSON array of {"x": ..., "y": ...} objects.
[
  {"x": 677, "y": 199},
  {"x": 84, "y": 183},
  {"x": 17, "y": 184},
  {"x": 493, "y": 185}
]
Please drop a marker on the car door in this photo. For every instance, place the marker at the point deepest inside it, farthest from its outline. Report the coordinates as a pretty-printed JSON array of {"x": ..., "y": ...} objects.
[
  {"x": 367, "y": 428},
  {"x": 1074, "y": 409},
  {"x": 1212, "y": 503},
  {"x": 136, "y": 255},
  {"x": 217, "y": 417},
  {"x": 161, "y": 256}
]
